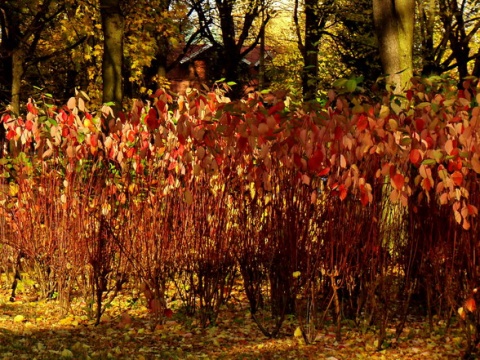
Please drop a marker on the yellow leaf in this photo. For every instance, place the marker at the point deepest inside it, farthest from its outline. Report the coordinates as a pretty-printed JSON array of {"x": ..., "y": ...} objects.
[
  {"x": 384, "y": 112},
  {"x": 393, "y": 124},
  {"x": 18, "y": 318},
  {"x": 298, "y": 332},
  {"x": 252, "y": 190},
  {"x": 13, "y": 189},
  {"x": 66, "y": 353}
]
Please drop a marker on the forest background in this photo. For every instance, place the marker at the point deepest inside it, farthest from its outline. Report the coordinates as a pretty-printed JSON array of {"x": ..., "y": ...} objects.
[{"x": 342, "y": 194}]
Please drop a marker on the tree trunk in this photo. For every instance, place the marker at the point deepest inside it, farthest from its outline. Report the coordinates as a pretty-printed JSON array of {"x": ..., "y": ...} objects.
[
  {"x": 231, "y": 50},
  {"x": 426, "y": 11},
  {"x": 394, "y": 24},
  {"x": 310, "y": 50},
  {"x": 113, "y": 31},
  {"x": 17, "y": 73}
]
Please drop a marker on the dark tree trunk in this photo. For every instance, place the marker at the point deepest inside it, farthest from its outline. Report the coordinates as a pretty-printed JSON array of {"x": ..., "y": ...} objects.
[
  {"x": 113, "y": 30},
  {"x": 310, "y": 51}
]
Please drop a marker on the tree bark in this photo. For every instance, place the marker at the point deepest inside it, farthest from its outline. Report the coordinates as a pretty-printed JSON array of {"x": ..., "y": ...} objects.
[
  {"x": 113, "y": 23},
  {"x": 310, "y": 50},
  {"x": 426, "y": 11},
  {"x": 394, "y": 25},
  {"x": 316, "y": 16},
  {"x": 17, "y": 74}
]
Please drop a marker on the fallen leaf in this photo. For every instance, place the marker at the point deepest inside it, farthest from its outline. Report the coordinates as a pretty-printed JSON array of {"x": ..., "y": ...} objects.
[
  {"x": 66, "y": 353},
  {"x": 298, "y": 332},
  {"x": 18, "y": 318}
]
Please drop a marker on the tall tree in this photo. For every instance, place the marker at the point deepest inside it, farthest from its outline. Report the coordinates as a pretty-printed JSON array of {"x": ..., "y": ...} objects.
[
  {"x": 317, "y": 14},
  {"x": 237, "y": 37},
  {"x": 113, "y": 24},
  {"x": 22, "y": 24},
  {"x": 394, "y": 26},
  {"x": 449, "y": 29},
  {"x": 353, "y": 39}
]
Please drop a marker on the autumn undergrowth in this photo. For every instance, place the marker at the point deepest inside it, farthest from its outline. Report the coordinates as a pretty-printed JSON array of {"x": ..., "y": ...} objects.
[{"x": 356, "y": 216}]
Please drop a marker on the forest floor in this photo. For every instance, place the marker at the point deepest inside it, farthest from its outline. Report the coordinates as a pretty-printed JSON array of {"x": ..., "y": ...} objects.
[{"x": 37, "y": 330}]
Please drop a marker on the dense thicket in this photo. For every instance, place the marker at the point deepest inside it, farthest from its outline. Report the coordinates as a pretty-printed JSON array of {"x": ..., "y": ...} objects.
[
  {"x": 356, "y": 204},
  {"x": 360, "y": 209}
]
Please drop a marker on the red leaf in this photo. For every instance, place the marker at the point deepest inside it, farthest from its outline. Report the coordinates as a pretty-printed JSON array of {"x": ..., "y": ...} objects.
[
  {"x": 426, "y": 184},
  {"x": 315, "y": 161},
  {"x": 94, "y": 140},
  {"x": 11, "y": 134},
  {"x": 420, "y": 124},
  {"x": 415, "y": 156},
  {"x": 32, "y": 109},
  {"x": 131, "y": 136},
  {"x": 160, "y": 105},
  {"x": 6, "y": 118},
  {"x": 324, "y": 171},
  {"x": 457, "y": 178},
  {"x": 409, "y": 95},
  {"x": 151, "y": 119},
  {"x": 71, "y": 119},
  {"x": 242, "y": 143},
  {"x": 297, "y": 160},
  {"x": 181, "y": 140},
  {"x": 398, "y": 181},
  {"x": 130, "y": 152},
  {"x": 472, "y": 210},
  {"x": 338, "y": 133},
  {"x": 276, "y": 108},
  {"x": 342, "y": 192},
  {"x": 29, "y": 125},
  {"x": 364, "y": 197},
  {"x": 362, "y": 123}
]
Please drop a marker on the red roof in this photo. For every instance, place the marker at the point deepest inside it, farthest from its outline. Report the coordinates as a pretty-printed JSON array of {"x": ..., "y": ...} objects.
[{"x": 251, "y": 59}]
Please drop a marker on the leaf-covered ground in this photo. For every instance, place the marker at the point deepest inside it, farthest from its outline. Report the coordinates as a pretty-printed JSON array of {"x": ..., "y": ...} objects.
[{"x": 37, "y": 330}]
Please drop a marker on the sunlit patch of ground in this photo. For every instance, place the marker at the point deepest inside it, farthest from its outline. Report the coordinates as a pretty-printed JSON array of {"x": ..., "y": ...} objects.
[{"x": 37, "y": 330}]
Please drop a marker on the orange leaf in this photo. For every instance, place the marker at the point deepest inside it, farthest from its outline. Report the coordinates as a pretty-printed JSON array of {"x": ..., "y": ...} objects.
[
  {"x": 415, "y": 156},
  {"x": 342, "y": 192},
  {"x": 426, "y": 184},
  {"x": 398, "y": 181},
  {"x": 324, "y": 171},
  {"x": 449, "y": 146},
  {"x": 172, "y": 165},
  {"x": 472, "y": 210},
  {"x": 94, "y": 140},
  {"x": 362, "y": 123},
  {"x": 476, "y": 164},
  {"x": 470, "y": 304},
  {"x": 131, "y": 136},
  {"x": 457, "y": 178}
]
